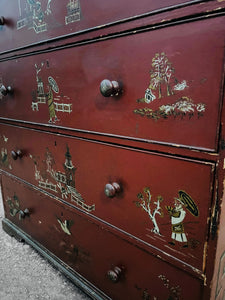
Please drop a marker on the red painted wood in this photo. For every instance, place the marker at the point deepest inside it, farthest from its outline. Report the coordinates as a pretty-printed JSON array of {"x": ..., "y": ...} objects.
[
  {"x": 43, "y": 160},
  {"x": 163, "y": 159},
  {"x": 200, "y": 10},
  {"x": 28, "y": 22},
  {"x": 79, "y": 71},
  {"x": 92, "y": 250}
]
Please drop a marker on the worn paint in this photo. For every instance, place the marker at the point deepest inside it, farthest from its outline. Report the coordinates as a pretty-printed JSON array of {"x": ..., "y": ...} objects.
[
  {"x": 204, "y": 256},
  {"x": 174, "y": 291},
  {"x": 73, "y": 11},
  {"x": 145, "y": 293},
  {"x": 215, "y": 211},
  {"x": 15, "y": 207},
  {"x": 34, "y": 15},
  {"x": 74, "y": 253},
  {"x": 4, "y": 157}
]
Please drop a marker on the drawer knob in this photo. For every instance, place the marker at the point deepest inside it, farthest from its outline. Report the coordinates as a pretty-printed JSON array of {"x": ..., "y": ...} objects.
[
  {"x": 16, "y": 154},
  {"x": 5, "y": 90},
  {"x": 110, "y": 88},
  {"x": 24, "y": 213},
  {"x": 111, "y": 189},
  {"x": 114, "y": 275},
  {"x": 2, "y": 20}
]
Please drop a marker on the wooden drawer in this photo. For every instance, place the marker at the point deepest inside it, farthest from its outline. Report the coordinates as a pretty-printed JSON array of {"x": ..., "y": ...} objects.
[
  {"x": 92, "y": 250},
  {"x": 179, "y": 105},
  {"x": 160, "y": 200},
  {"x": 30, "y": 21}
]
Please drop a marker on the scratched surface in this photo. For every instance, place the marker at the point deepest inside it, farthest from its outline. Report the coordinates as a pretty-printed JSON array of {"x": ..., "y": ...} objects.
[{"x": 24, "y": 274}]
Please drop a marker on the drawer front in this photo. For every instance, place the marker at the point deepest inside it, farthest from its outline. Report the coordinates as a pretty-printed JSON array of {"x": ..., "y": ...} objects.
[
  {"x": 170, "y": 90},
  {"x": 93, "y": 251},
  {"x": 161, "y": 200},
  {"x": 31, "y": 21}
]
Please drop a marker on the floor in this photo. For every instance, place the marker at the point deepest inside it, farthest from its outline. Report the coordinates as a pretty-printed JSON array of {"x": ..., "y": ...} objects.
[{"x": 24, "y": 274}]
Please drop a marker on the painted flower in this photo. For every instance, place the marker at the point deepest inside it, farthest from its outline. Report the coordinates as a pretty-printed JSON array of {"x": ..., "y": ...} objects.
[
  {"x": 200, "y": 107},
  {"x": 185, "y": 106},
  {"x": 167, "y": 109}
]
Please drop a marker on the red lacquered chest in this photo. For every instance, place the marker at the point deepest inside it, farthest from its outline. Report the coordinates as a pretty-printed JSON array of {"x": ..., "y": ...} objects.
[{"x": 112, "y": 142}]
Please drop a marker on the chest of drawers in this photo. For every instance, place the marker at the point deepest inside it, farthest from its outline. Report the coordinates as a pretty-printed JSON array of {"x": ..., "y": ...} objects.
[{"x": 112, "y": 142}]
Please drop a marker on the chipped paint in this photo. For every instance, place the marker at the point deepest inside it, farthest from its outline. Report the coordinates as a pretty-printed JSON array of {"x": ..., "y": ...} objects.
[
  {"x": 215, "y": 211},
  {"x": 204, "y": 256}
]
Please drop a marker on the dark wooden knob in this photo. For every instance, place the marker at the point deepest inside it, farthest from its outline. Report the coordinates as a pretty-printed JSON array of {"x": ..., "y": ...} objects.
[
  {"x": 24, "y": 213},
  {"x": 16, "y": 154},
  {"x": 5, "y": 90},
  {"x": 114, "y": 274},
  {"x": 111, "y": 189},
  {"x": 110, "y": 88},
  {"x": 2, "y": 20}
]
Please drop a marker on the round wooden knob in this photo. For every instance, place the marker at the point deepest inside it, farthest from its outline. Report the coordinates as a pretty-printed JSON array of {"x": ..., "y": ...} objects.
[
  {"x": 2, "y": 20},
  {"x": 16, "y": 154},
  {"x": 109, "y": 88},
  {"x": 24, "y": 213},
  {"x": 114, "y": 275},
  {"x": 111, "y": 189},
  {"x": 5, "y": 90}
]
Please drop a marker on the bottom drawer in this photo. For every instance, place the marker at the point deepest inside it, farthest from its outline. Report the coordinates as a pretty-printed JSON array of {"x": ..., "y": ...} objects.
[{"x": 97, "y": 252}]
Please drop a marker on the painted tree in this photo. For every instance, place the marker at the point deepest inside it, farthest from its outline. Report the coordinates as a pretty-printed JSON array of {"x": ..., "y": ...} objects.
[
  {"x": 145, "y": 202},
  {"x": 161, "y": 73}
]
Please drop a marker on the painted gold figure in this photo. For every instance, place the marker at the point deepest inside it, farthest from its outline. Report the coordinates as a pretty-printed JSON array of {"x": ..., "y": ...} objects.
[
  {"x": 177, "y": 215},
  {"x": 51, "y": 106}
]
